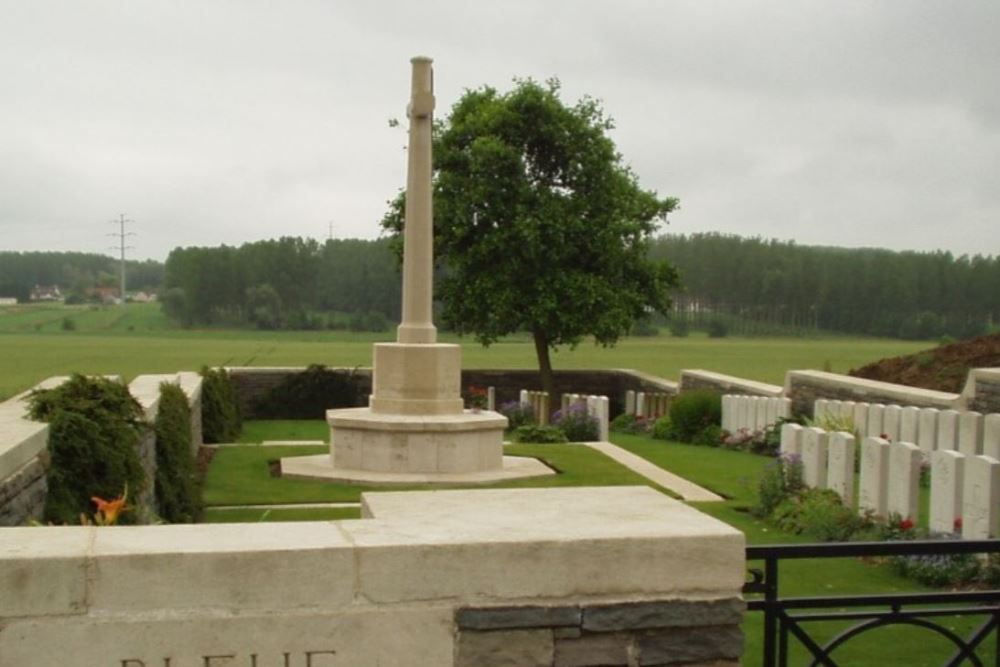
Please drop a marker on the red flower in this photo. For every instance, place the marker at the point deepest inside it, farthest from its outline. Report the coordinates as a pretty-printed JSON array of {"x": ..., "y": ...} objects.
[
  {"x": 958, "y": 525},
  {"x": 906, "y": 524}
]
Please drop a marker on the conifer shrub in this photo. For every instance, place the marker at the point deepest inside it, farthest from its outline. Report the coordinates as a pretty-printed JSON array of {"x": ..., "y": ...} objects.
[
  {"x": 694, "y": 411},
  {"x": 176, "y": 490},
  {"x": 220, "y": 410},
  {"x": 309, "y": 394},
  {"x": 94, "y": 431}
]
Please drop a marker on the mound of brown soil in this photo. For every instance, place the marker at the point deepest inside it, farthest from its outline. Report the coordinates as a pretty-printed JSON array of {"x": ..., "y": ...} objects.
[{"x": 942, "y": 368}]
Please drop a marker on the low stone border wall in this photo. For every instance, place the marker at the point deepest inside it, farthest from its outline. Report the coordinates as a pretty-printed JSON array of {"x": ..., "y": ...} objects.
[
  {"x": 726, "y": 384},
  {"x": 24, "y": 459},
  {"x": 982, "y": 390},
  {"x": 626, "y": 568},
  {"x": 804, "y": 387}
]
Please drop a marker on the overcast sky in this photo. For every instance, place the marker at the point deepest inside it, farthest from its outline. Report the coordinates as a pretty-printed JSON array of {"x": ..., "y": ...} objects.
[{"x": 208, "y": 122}]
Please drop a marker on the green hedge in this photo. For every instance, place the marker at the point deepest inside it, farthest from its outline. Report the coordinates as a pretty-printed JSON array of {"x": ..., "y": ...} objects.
[
  {"x": 176, "y": 490},
  {"x": 94, "y": 431},
  {"x": 221, "y": 420},
  {"x": 309, "y": 394}
]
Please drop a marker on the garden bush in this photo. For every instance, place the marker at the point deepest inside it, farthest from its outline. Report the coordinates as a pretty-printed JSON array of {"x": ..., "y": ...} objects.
[
  {"x": 625, "y": 423},
  {"x": 539, "y": 434},
  {"x": 781, "y": 480},
  {"x": 517, "y": 414},
  {"x": 576, "y": 424},
  {"x": 94, "y": 431},
  {"x": 819, "y": 513},
  {"x": 662, "y": 429},
  {"x": 679, "y": 328},
  {"x": 176, "y": 490},
  {"x": 693, "y": 411},
  {"x": 717, "y": 329},
  {"x": 309, "y": 394},
  {"x": 220, "y": 410}
]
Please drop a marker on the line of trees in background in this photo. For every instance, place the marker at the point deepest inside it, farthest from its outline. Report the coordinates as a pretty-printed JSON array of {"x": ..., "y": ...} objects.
[
  {"x": 750, "y": 285},
  {"x": 915, "y": 295},
  {"x": 73, "y": 272},
  {"x": 285, "y": 283}
]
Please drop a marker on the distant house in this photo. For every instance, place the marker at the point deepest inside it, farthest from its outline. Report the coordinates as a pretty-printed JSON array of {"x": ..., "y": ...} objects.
[
  {"x": 46, "y": 293},
  {"x": 142, "y": 297},
  {"x": 104, "y": 294}
]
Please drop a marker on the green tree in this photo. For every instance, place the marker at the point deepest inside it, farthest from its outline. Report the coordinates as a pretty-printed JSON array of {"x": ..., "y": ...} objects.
[{"x": 539, "y": 225}]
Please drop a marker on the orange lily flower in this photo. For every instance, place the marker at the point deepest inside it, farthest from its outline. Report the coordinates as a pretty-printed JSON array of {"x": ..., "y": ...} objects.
[{"x": 109, "y": 510}]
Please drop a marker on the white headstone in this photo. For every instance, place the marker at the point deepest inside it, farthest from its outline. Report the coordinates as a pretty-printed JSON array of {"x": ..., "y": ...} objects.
[
  {"x": 522, "y": 398},
  {"x": 785, "y": 408},
  {"x": 947, "y": 433},
  {"x": 861, "y": 419},
  {"x": 791, "y": 440},
  {"x": 630, "y": 402},
  {"x": 772, "y": 411},
  {"x": 491, "y": 398},
  {"x": 970, "y": 433},
  {"x": 833, "y": 410},
  {"x": 820, "y": 409},
  {"x": 814, "y": 457},
  {"x": 604, "y": 418},
  {"x": 904, "y": 480},
  {"x": 947, "y": 475},
  {"x": 991, "y": 435},
  {"x": 873, "y": 481},
  {"x": 847, "y": 410},
  {"x": 727, "y": 413},
  {"x": 981, "y": 498},
  {"x": 927, "y": 430},
  {"x": 840, "y": 466},
  {"x": 890, "y": 422},
  {"x": 640, "y": 404},
  {"x": 760, "y": 423},
  {"x": 875, "y": 422},
  {"x": 909, "y": 424}
]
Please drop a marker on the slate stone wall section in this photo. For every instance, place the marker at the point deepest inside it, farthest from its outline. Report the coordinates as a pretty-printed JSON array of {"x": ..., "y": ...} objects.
[
  {"x": 22, "y": 495},
  {"x": 668, "y": 632},
  {"x": 987, "y": 395},
  {"x": 251, "y": 383}
]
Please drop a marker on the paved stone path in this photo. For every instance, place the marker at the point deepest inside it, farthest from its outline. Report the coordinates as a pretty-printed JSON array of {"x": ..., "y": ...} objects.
[{"x": 668, "y": 480}]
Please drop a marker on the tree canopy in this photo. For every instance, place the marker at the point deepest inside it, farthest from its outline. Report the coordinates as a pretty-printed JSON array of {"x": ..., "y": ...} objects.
[{"x": 539, "y": 225}]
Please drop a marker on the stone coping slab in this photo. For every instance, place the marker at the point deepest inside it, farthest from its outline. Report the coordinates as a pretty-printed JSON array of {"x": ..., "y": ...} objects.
[
  {"x": 365, "y": 419},
  {"x": 499, "y": 546},
  {"x": 321, "y": 467}
]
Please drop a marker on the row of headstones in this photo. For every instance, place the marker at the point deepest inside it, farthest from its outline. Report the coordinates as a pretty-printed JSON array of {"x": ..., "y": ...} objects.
[
  {"x": 753, "y": 413},
  {"x": 970, "y": 432},
  {"x": 539, "y": 402},
  {"x": 598, "y": 407},
  {"x": 965, "y": 488},
  {"x": 649, "y": 405}
]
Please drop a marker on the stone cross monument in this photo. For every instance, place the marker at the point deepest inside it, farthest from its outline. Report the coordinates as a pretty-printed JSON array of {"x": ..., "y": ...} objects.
[{"x": 415, "y": 428}]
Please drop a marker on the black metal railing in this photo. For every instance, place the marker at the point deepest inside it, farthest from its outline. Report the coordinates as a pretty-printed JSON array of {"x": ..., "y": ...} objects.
[{"x": 786, "y": 617}]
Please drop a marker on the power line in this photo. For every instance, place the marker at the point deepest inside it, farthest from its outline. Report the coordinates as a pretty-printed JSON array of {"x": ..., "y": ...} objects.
[{"x": 121, "y": 247}]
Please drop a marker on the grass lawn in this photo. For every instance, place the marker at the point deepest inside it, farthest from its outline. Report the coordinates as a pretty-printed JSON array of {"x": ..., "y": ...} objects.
[{"x": 137, "y": 339}]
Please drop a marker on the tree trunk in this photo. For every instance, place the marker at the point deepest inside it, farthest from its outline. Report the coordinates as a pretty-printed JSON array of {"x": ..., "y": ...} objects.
[{"x": 544, "y": 364}]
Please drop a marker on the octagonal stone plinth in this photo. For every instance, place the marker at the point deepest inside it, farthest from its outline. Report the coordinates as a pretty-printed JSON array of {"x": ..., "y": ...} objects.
[{"x": 376, "y": 448}]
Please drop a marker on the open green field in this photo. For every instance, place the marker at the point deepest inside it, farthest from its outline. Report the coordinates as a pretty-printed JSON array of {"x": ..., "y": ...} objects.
[{"x": 137, "y": 339}]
